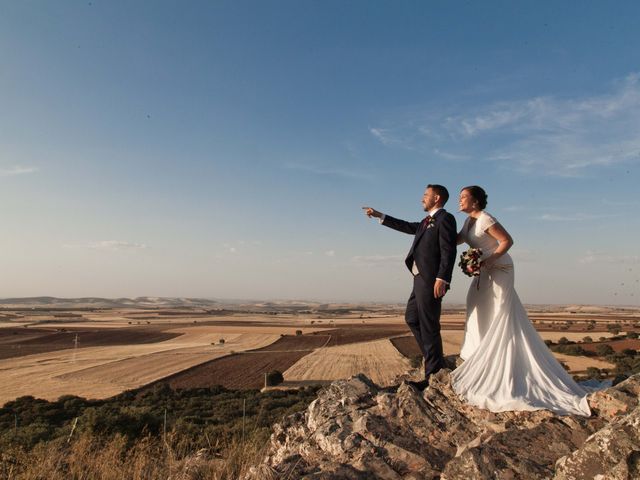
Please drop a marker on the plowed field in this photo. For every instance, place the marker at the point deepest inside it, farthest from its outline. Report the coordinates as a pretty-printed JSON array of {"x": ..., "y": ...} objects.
[
  {"x": 247, "y": 369},
  {"x": 18, "y": 342},
  {"x": 617, "y": 345}
]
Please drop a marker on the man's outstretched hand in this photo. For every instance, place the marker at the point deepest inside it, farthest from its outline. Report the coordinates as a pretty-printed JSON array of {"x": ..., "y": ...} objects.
[{"x": 370, "y": 212}]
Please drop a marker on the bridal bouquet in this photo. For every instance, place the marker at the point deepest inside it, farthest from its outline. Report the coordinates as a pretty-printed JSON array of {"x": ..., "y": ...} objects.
[{"x": 470, "y": 262}]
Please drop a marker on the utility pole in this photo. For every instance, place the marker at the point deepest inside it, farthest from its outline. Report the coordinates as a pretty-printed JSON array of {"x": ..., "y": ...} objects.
[{"x": 244, "y": 409}]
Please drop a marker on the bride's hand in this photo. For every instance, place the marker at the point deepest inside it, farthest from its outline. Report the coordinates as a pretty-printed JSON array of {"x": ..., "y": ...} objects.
[{"x": 487, "y": 263}]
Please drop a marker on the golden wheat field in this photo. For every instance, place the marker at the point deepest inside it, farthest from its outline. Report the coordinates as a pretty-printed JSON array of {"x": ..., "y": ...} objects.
[
  {"x": 379, "y": 360},
  {"x": 101, "y": 353},
  {"x": 104, "y": 371}
]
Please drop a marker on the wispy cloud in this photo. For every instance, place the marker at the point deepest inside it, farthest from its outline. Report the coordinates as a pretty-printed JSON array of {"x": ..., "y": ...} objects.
[
  {"x": 110, "y": 245},
  {"x": 596, "y": 257},
  {"x": 241, "y": 245},
  {"x": 394, "y": 137},
  {"x": 574, "y": 217},
  {"x": 620, "y": 203},
  {"x": 330, "y": 253},
  {"x": 330, "y": 171},
  {"x": 376, "y": 260},
  {"x": 515, "y": 208},
  {"x": 17, "y": 170},
  {"x": 449, "y": 155},
  {"x": 545, "y": 135},
  {"x": 383, "y": 135}
]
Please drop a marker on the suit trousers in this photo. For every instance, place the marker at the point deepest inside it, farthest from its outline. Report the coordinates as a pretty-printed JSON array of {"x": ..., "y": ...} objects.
[{"x": 423, "y": 317}]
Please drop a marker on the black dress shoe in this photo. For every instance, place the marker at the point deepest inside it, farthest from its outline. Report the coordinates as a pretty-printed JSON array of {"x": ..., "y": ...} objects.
[{"x": 420, "y": 386}]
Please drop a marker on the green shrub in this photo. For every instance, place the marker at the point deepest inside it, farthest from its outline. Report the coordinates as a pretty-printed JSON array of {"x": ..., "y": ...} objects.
[
  {"x": 569, "y": 349},
  {"x": 593, "y": 372},
  {"x": 136, "y": 415}
]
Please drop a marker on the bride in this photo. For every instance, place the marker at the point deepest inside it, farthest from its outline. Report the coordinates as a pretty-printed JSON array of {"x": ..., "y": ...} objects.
[{"x": 506, "y": 365}]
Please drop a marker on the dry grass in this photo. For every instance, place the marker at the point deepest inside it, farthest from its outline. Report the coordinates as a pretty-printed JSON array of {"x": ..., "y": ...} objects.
[
  {"x": 579, "y": 364},
  {"x": 89, "y": 458}
]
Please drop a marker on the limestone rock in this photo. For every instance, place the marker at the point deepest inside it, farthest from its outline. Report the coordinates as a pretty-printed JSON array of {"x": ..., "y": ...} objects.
[
  {"x": 617, "y": 400},
  {"x": 517, "y": 453},
  {"x": 613, "y": 453},
  {"x": 356, "y": 430}
]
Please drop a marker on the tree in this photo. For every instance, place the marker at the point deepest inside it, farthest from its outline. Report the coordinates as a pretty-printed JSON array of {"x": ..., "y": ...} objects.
[
  {"x": 274, "y": 377},
  {"x": 563, "y": 341},
  {"x": 573, "y": 350},
  {"x": 615, "y": 328},
  {"x": 587, "y": 339},
  {"x": 604, "y": 349}
]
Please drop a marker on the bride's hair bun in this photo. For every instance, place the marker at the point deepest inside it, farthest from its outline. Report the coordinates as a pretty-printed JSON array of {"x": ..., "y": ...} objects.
[{"x": 478, "y": 194}]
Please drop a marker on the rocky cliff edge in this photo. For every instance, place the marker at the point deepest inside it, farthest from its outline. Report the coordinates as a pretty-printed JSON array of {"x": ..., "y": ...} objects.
[{"x": 357, "y": 430}]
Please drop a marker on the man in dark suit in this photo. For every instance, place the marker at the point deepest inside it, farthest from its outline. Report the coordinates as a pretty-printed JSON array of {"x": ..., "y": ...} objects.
[{"x": 430, "y": 260}]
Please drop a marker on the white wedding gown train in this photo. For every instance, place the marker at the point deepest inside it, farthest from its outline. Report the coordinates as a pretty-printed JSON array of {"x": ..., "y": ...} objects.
[{"x": 507, "y": 365}]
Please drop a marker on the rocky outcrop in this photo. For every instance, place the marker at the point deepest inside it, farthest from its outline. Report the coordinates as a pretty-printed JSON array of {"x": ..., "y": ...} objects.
[
  {"x": 612, "y": 453},
  {"x": 356, "y": 430}
]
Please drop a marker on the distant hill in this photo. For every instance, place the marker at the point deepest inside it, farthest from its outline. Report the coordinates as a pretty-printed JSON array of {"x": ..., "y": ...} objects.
[{"x": 97, "y": 302}]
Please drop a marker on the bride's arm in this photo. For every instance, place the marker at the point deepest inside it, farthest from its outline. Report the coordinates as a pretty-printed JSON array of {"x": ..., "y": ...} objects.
[
  {"x": 505, "y": 242},
  {"x": 460, "y": 237}
]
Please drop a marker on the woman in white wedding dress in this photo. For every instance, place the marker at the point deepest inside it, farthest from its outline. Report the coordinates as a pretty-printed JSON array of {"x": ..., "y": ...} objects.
[{"x": 507, "y": 366}]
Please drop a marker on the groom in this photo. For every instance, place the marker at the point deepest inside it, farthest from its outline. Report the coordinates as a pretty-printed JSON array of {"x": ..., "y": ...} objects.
[{"x": 430, "y": 260}]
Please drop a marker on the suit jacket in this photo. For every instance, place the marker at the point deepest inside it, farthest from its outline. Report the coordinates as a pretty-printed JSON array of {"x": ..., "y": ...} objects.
[{"x": 434, "y": 248}]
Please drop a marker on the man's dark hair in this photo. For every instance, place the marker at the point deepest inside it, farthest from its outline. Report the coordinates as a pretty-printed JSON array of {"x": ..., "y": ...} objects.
[{"x": 441, "y": 191}]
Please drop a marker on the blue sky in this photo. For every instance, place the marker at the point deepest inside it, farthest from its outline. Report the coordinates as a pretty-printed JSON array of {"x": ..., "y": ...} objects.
[{"x": 224, "y": 149}]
